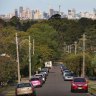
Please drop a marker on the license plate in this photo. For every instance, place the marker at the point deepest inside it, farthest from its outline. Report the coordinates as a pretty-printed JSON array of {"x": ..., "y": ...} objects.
[{"x": 79, "y": 87}]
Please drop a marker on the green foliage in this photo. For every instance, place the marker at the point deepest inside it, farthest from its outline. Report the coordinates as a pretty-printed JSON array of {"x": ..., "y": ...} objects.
[
  {"x": 44, "y": 35},
  {"x": 56, "y": 16},
  {"x": 49, "y": 36},
  {"x": 15, "y": 21},
  {"x": 2, "y": 23},
  {"x": 8, "y": 69},
  {"x": 75, "y": 63}
]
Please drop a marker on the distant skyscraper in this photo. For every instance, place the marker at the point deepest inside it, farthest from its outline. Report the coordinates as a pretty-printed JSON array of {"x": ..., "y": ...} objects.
[
  {"x": 94, "y": 13},
  {"x": 51, "y": 12},
  {"x": 45, "y": 15},
  {"x": 38, "y": 15},
  {"x": 33, "y": 12},
  {"x": 16, "y": 12},
  {"x": 21, "y": 12},
  {"x": 20, "y": 9},
  {"x": 72, "y": 14}
]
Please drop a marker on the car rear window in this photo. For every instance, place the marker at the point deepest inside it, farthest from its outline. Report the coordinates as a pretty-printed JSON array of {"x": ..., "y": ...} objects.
[
  {"x": 79, "y": 80},
  {"x": 38, "y": 75},
  {"x": 33, "y": 79},
  {"x": 68, "y": 75},
  {"x": 23, "y": 85}
]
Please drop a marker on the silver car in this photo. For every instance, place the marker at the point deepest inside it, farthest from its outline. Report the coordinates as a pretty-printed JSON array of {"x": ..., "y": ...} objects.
[{"x": 68, "y": 76}]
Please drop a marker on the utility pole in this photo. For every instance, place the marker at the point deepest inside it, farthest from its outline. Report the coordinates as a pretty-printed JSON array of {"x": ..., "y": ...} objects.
[
  {"x": 75, "y": 47},
  {"x": 18, "y": 67},
  {"x": 70, "y": 47},
  {"x": 83, "y": 69},
  {"x": 33, "y": 47},
  {"x": 29, "y": 58}
]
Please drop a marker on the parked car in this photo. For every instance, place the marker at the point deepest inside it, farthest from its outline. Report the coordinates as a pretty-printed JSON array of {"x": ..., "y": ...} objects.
[
  {"x": 65, "y": 71},
  {"x": 25, "y": 89},
  {"x": 79, "y": 83},
  {"x": 68, "y": 76},
  {"x": 42, "y": 76},
  {"x": 36, "y": 81},
  {"x": 44, "y": 71}
]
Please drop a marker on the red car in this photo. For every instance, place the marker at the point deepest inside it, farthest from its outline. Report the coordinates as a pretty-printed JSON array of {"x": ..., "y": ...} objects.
[
  {"x": 79, "y": 83},
  {"x": 36, "y": 81}
]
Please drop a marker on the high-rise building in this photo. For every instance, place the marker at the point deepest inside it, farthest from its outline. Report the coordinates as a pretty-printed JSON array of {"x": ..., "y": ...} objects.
[
  {"x": 56, "y": 12},
  {"x": 21, "y": 12},
  {"x": 51, "y": 12},
  {"x": 72, "y": 14},
  {"x": 94, "y": 13},
  {"x": 45, "y": 15},
  {"x": 20, "y": 9},
  {"x": 16, "y": 12},
  {"x": 33, "y": 12},
  {"x": 38, "y": 15}
]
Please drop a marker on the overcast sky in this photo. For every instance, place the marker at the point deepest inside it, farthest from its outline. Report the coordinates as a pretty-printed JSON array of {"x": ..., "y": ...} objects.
[{"x": 8, "y": 6}]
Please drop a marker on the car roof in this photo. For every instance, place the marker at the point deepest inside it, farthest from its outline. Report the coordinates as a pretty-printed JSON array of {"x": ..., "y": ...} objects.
[
  {"x": 35, "y": 76},
  {"x": 21, "y": 85},
  {"x": 78, "y": 77},
  {"x": 39, "y": 74}
]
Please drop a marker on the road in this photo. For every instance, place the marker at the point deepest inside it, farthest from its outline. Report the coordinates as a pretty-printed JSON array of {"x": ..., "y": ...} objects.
[
  {"x": 1, "y": 94},
  {"x": 56, "y": 86}
]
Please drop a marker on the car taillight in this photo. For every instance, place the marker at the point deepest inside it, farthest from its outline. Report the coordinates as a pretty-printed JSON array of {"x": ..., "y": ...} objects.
[
  {"x": 33, "y": 88},
  {"x": 85, "y": 84},
  {"x": 73, "y": 84},
  {"x": 16, "y": 91}
]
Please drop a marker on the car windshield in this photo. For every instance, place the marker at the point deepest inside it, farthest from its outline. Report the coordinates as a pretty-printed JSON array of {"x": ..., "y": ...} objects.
[
  {"x": 79, "y": 80},
  {"x": 23, "y": 85}
]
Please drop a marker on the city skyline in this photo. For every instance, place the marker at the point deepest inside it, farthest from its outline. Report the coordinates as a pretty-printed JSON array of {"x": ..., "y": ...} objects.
[{"x": 43, "y": 5}]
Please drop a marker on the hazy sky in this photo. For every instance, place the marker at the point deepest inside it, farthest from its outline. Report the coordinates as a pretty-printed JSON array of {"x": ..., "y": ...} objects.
[{"x": 8, "y": 6}]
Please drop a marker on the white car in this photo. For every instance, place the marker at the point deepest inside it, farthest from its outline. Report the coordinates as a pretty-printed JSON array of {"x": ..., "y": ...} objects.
[{"x": 68, "y": 76}]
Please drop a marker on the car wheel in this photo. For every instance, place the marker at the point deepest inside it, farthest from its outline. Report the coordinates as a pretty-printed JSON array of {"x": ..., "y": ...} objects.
[
  {"x": 86, "y": 91},
  {"x": 72, "y": 90},
  {"x": 34, "y": 93},
  {"x": 40, "y": 85}
]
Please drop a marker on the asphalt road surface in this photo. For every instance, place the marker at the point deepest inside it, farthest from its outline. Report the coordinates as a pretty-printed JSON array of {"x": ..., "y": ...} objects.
[
  {"x": 56, "y": 86},
  {"x": 1, "y": 94}
]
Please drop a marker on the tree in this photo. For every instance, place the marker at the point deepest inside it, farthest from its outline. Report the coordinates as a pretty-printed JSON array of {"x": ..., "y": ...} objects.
[
  {"x": 2, "y": 23},
  {"x": 15, "y": 21},
  {"x": 8, "y": 69},
  {"x": 75, "y": 62},
  {"x": 56, "y": 16}
]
